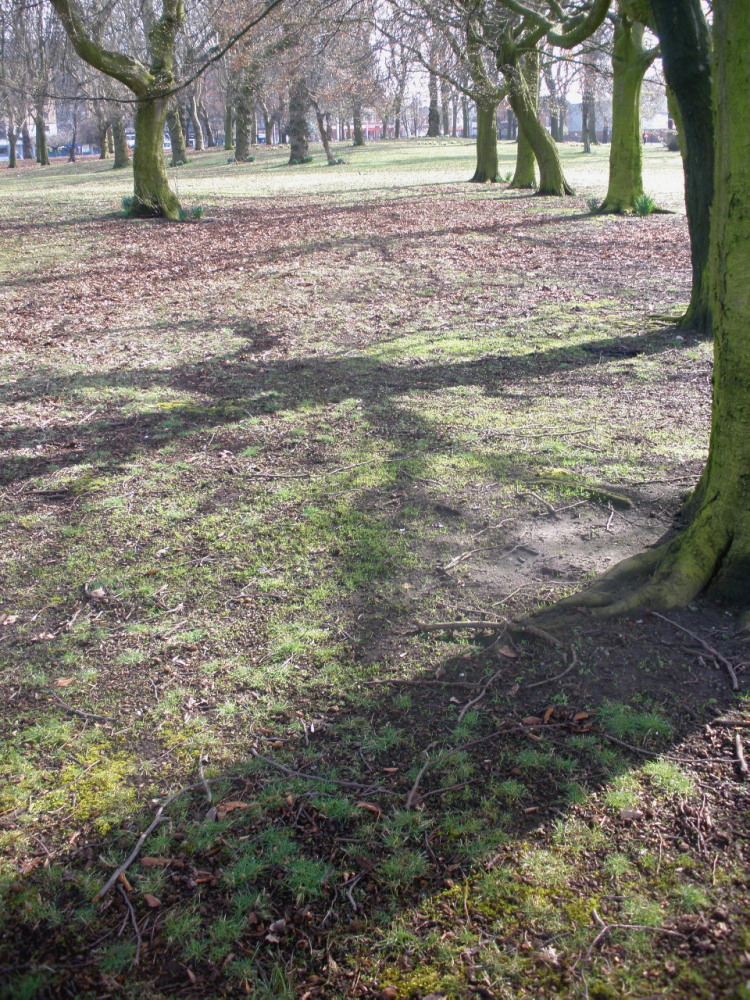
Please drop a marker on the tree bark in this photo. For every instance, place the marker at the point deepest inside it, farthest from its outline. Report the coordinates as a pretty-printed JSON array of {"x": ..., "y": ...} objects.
[
  {"x": 176, "y": 134},
  {"x": 686, "y": 55},
  {"x": 12, "y": 140},
  {"x": 228, "y": 125},
  {"x": 630, "y": 60},
  {"x": 27, "y": 151},
  {"x": 487, "y": 168},
  {"x": 433, "y": 115},
  {"x": 465, "y": 118},
  {"x": 524, "y": 176},
  {"x": 122, "y": 153},
  {"x": 42, "y": 154},
  {"x": 299, "y": 106},
  {"x": 153, "y": 197},
  {"x": 242, "y": 124},
  {"x": 192, "y": 110},
  {"x": 208, "y": 132},
  {"x": 103, "y": 147},
  {"x": 445, "y": 107},
  {"x": 359, "y": 135}
]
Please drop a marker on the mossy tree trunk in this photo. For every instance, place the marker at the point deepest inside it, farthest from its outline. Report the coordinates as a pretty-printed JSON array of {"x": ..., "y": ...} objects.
[
  {"x": 42, "y": 153},
  {"x": 524, "y": 176},
  {"x": 176, "y": 134},
  {"x": 523, "y": 82},
  {"x": 299, "y": 108},
  {"x": 208, "y": 132},
  {"x": 712, "y": 553},
  {"x": 686, "y": 55},
  {"x": 487, "y": 168},
  {"x": 153, "y": 196},
  {"x": 122, "y": 153},
  {"x": 630, "y": 60},
  {"x": 149, "y": 84}
]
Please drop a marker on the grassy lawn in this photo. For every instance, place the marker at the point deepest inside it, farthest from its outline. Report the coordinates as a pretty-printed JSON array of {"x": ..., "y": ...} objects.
[{"x": 245, "y": 460}]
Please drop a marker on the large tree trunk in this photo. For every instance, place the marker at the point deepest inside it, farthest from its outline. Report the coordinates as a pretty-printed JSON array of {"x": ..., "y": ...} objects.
[
  {"x": 712, "y": 553},
  {"x": 433, "y": 115},
  {"x": 523, "y": 83},
  {"x": 242, "y": 124},
  {"x": 524, "y": 176},
  {"x": 153, "y": 196},
  {"x": 228, "y": 124},
  {"x": 27, "y": 151},
  {"x": 122, "y": 153},
  {"x": 12, "y": 139},
  {"x": 487, "y": 162},
  {"x": 176, "y": 133},
  {"x": 299, "y": 107},
  {"x": 686, "y": 55},
  {"x": 208, "y": 132},
  {"x": 42, "y": 154},
  {"x": 103, "y": 146},
  {"x": 445, "y": 107},
  {"x": 630, "y": 60},
  {"x": 359, "y": 135}
]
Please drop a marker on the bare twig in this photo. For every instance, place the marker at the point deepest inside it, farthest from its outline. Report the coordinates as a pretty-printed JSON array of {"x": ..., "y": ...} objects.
[
  {"x": 740, "y": 755},
  {"x": 413, "y": 791},
  {"x": 482, "y": 693},
  {"x": 728, "y": 724},
  {"x": 479, "y": 626},
  {"x": 158, "y": 818},
  {"x": 206, "y": 786},
  {"x": 729, "y": 667},
  {"x": 606, "y": 928},
  {"x": 81, "y": 714},
  {"x": 557, "y": 677},
  {"x": 312, "y": 777},
  {"x": 539, "y": 633},
  {"x": 418, "y": 681},
  {"x": 134, "y": 922}
]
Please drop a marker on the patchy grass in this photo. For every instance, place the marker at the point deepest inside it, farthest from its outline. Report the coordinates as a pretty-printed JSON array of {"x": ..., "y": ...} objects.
[{"x": 242, "y": 460}]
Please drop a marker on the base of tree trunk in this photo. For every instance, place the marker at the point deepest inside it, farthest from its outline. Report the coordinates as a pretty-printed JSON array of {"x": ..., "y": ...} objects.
[{"x": 694, "y": 561}]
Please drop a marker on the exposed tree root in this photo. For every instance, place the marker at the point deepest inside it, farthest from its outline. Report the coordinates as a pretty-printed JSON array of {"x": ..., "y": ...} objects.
[{"x": 701, "y": 557}]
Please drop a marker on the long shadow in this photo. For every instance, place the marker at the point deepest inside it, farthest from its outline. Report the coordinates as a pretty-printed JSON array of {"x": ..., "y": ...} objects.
[{"x": 240, "y": 386}]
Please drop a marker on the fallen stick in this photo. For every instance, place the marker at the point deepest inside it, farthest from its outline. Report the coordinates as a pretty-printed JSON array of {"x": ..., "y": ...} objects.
[
  {"x": 740, "y": 755},
  {"x": 482, "y": 693},
  {"x": 134, "y": 921},
  {"x": 413, "y": 791},
  {"x": 707, "y": 646},
  {"x": 81, "y": 714},
  {"x": 451, "y": 626},
  {"x": 416, "y": 681},
  {"x": 358, "y": 785}
]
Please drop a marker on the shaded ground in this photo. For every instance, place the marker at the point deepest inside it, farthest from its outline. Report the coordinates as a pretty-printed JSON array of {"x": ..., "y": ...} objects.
[{"x": 243, "y": 461}]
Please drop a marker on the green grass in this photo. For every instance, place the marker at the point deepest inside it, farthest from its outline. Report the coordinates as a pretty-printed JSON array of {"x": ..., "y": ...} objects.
[{"x": 229, "y": 492}]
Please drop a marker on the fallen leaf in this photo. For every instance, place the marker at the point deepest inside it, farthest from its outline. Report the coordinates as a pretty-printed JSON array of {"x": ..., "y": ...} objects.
[
  {"x": 152, "y": 901},
  {"x": 631, "y": 814},
  {"x": 123, "y": 880},
  {"x": 227, "y": 807},
  {"x": 548, "y": 713},
  {"x": 507, "y": 652},
  {"x": 531, "y": 720},
  {"x": 513, "y": 691},
  {"x": 370, "y": 807},
  {"x": 580, "y": 716},
  {"x": 62, "y": 682},
  {"x": 390, "y": 770},
  {"x": 149, "y": 862}
]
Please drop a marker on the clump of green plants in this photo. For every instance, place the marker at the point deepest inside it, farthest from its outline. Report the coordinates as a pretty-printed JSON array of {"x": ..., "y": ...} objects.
[
  {"x": 592, "y": 204},
  {"x": 196, "y": 212},
  {"x": 127, "y": 204},
  {"x": 298, "y": 161},
  {"x": 644, "y": 204}
]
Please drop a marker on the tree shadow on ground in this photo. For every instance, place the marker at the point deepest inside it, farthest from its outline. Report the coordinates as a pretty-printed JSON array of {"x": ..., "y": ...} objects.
[{"x": 240, "y": 386}]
